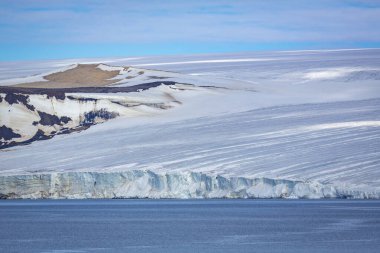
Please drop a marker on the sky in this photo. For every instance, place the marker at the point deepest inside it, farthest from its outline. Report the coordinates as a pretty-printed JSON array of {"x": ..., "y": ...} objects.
[{"x": 40, "y": 29}]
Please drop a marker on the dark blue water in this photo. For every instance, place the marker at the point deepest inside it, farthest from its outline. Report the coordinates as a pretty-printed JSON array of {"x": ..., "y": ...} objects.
[{"x": 189, "y": 226}]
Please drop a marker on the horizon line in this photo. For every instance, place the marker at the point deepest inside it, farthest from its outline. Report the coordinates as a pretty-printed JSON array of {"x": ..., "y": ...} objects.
[{"x": 193, "y": 54}]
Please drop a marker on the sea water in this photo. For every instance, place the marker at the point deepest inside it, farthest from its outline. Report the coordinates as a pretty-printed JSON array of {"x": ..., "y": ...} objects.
[{"x": 189, "y": 226}]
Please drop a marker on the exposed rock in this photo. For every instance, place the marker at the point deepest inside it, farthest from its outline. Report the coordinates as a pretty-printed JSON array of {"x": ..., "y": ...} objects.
[
  {"x": 13, "y": 98},
  {"x": 59, "y": 91},
  {"x": 65, "y": 119},
  {"x": 82, "y": 99},
  {"x": 7, "y": 133},
  {"x": 91, "y": 117},
  {"x": 48, "y": 119}
]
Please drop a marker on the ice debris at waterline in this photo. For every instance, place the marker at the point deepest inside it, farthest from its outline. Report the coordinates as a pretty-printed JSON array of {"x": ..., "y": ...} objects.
[{"x": 147, "y": 184}]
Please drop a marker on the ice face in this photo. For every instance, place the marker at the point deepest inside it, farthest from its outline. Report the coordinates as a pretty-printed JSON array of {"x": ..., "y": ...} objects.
[{"x": 147, "y": 184}]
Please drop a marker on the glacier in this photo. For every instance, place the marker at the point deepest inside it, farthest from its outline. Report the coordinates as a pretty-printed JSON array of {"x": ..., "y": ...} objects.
[{"x": 256, "y": 125}]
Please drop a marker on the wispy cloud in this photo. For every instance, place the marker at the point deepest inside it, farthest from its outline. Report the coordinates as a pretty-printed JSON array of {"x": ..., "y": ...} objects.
[{"x": 164, "y": 21}]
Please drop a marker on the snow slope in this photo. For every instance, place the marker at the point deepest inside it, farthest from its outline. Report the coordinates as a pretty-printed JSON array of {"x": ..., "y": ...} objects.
[{"x": 289, "y": 124}]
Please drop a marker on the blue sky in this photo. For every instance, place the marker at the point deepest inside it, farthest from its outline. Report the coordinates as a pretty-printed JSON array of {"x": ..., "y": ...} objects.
[{"x": 91, "y": 28}]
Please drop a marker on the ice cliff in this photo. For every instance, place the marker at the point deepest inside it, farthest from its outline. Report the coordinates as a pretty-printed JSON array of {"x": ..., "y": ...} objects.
[{"x": 148, "y": 184}]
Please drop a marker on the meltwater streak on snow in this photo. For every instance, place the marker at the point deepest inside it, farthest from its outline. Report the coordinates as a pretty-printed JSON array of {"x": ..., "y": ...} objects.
[{"x": 344, "y": 125}]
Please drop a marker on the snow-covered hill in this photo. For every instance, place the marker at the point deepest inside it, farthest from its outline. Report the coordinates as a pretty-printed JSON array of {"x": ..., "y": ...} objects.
[
  {"x": 276, "y": 124},
  {"x": 75, "y": 97},
  {"x": 39, "y": 114}
]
